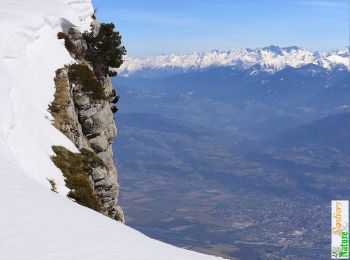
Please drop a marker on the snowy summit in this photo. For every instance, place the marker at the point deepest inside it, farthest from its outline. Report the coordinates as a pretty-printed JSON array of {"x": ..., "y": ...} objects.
[
  {"x": 35, "y": 222},
  {"x": 271, "y": 59}
]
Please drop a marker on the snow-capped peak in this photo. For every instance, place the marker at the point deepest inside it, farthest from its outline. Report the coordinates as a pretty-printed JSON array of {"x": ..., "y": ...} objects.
[
  {"x": 271, "y": 59},
  {"x": 334, "y": 59}
]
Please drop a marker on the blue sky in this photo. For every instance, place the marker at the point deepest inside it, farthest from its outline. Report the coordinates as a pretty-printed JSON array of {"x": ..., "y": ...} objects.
[{"x": 151, "y": 27}]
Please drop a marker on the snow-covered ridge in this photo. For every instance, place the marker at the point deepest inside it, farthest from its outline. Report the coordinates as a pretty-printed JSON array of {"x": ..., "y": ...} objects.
[
  {"x": 30, "y": 53},
  {"x": 270, "y": 58},
  {"x": 47, "y": 225}
]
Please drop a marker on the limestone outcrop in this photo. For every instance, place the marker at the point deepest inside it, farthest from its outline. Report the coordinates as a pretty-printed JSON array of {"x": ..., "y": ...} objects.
[{"x": 83, "y": 110}]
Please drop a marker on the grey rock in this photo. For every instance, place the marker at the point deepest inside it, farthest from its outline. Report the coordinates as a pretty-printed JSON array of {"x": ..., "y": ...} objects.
[
  {"x": 119, "y": 214},
  {"x": 96, "y": 118},
  {"x": 104, "y": 183},
  {"x": 98, "y": 174},
  {"x": 107, "y": 86},
  {"x": 107, "y": 158},
  {"x": 91, "y": 126},
  {"x": 88, "y": 112},
  {"x": 111, "y": 132},
  {"x": 87, "y": 125},
  {"x": 99, "y": 143},
  {"x": 109, "y": 204},
  {"x": 82, "y": 100},
  {"x": 103, "y": 118},
  {"x": 95, "y": 26},
  {"x": 76, "y": 37},
  {"x": 107, "y": 199}
]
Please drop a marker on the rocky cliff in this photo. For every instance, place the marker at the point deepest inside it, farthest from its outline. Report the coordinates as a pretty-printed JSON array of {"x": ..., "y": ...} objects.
[{"x": 83, "y": 110}]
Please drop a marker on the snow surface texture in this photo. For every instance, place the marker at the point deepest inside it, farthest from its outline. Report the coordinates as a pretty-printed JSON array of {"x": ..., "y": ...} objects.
[
  {"x": 271, "y": 59},
  {"x": 29, "y": 56},
  {"x": 36, "y": 223}
]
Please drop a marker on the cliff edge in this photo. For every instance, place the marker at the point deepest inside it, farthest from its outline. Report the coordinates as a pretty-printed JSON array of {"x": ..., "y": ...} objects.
[
  {"x": 46, "y": 224},
  {"x": 83, "y": 109}
]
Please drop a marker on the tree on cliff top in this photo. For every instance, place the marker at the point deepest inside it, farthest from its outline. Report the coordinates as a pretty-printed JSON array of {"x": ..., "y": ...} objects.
[{"x": 104, "y": 50}]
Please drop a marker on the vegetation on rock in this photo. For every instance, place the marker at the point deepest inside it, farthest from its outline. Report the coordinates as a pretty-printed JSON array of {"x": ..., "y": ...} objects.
[
  {"x": 104, "y": 50},
  {"x": 58, "y": 107},
  {"x": 61, "y": 100},
  {"x": 81, "y": 75},
  {"x": 69, "y": 44},
  {"x": 81, "y": 93},
  {"x": 76, "y": 168}
]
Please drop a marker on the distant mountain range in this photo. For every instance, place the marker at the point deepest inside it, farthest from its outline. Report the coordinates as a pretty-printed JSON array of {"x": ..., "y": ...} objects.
[
  {"x": 245, "y": 100},
  {"x": 270, "y": 59},
  {"x": 263, "y": 135}
]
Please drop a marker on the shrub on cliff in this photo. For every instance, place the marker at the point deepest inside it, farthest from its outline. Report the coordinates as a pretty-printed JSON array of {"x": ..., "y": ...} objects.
[
  {"x": 63, "y": 121},
  {"x": 82, "y": 75},
  {"x": 104, "y": 49},
  {"x": 75, "y": 168}
]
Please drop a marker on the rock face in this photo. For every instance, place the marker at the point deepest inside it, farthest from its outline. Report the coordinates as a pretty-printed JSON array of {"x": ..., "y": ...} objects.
[{"x": 89, "y": 123}]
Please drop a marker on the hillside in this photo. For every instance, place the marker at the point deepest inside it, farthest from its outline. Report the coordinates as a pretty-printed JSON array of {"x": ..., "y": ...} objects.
[
  {"x": 248, "y": 101},
  {"x": 331, "y": 132},
  {"x": 45, "y": 224}
]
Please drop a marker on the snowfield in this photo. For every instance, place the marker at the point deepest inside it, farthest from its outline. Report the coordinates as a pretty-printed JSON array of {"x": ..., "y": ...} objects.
[{"x": 36, "y": 223}]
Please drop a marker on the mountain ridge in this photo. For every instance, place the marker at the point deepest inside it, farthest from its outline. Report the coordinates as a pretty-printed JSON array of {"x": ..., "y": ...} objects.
[{"x": 271, "y": 59}]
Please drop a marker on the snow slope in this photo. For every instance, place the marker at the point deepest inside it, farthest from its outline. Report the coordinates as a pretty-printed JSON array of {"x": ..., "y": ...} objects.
[
  {"x": 29, "y": 56},
  {"x": 271, "y": 59},
  {"x": 36, "y": 223}
]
